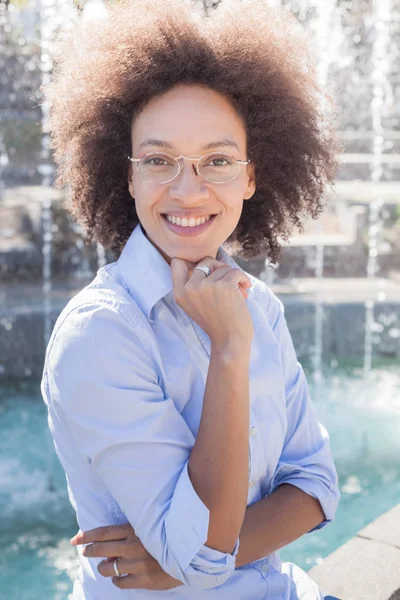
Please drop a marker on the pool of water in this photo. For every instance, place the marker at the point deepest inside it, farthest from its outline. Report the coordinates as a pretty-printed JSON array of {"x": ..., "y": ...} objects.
[{"x": 36, "y": 519}]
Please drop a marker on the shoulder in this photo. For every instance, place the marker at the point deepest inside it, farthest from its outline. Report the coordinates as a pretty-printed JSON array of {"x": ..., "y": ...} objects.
[
  {"x": 266, "y": 300},
  {"x": 100, "y": 346},
  {"x": 102, "y": 312}
]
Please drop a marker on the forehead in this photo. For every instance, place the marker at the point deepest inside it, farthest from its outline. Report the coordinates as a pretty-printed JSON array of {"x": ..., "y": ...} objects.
[{"x": 189, "y": 115}]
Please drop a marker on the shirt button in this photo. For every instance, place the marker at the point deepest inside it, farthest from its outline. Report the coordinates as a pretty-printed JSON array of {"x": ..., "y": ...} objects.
[
  {"x": 252, "y": 483},
  {"x": 265, "y": 568},
  {"x": 253, "y": 432}
]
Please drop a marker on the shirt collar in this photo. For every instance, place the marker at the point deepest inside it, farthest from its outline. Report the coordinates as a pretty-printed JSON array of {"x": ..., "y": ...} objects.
[{"x": 147, "y": 273}]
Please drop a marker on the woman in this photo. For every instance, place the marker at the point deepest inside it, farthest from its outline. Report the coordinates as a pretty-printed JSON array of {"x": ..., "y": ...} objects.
[{"x": 178, "y": 408}]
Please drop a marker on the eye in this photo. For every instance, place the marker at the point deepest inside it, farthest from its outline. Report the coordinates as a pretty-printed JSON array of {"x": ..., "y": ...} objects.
[
  {"x": 218, "y": 161},
  {"x": 156, "y": 160},
  {"x": 159, "y": 160}
]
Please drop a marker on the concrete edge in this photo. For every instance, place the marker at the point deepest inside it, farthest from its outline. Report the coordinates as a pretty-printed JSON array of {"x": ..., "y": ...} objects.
[{"x": 367, "y": 567}]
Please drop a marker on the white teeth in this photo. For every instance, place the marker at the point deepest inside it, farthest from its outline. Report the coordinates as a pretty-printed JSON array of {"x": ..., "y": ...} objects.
[{"x": 184, "y": 222}]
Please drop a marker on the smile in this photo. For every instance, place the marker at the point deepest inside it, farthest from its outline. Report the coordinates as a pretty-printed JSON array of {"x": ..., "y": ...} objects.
[
  {"x": 190, "y": 226},
  {"x": 187, "y": 222}
]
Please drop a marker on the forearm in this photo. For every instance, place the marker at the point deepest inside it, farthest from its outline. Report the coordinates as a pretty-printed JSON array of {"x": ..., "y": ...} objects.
[
  {"x": 275, "y": 521},
  {"x": 218, "y": 465}
]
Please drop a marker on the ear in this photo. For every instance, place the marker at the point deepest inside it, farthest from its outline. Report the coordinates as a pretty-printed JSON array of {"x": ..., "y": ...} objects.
[
  {"x": 251, "y": 182},
  {"x": 130, "y": 181}
]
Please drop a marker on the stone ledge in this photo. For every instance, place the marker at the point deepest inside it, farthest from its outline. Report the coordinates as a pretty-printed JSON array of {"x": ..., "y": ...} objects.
[
  {"x": 367, "y": 567},
  {"x": 385, "y": 529},
  {"x": 335, "y": 290}
]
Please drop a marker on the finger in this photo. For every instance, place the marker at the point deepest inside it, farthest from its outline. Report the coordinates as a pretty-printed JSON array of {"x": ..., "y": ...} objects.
[
  {"x": 125, "y": 566},
  {"x": 128, "y": 582},
  {"x": 237, "y": 276},
  {"x": 106, "y": 549},
  {"x": 244, "y": 288},
  {"x": 179, "y": 274},
  {"x": 198, "y": 276},
  {"x": 217, "y": 264},
  {"x": 219, "y": 273},
  {"x": 244, "y": 292},
  {"x": 160, "y": 582},
  {"x": 109, "y": 532}
]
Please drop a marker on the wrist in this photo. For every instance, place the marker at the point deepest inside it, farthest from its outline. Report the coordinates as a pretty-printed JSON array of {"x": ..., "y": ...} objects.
[{"x": 232, "y": 349}]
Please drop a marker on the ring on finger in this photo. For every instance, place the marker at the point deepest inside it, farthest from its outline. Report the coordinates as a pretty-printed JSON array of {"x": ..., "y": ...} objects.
[
  {"x": 205, "y": 270},
  {"x": 116, "y": 570}
]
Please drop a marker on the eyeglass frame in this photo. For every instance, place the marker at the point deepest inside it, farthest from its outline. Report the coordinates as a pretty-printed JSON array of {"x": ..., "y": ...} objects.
[{"x": 190, "y": 157}]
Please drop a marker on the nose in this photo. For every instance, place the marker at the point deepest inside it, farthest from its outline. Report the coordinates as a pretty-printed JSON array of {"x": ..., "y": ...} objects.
[{"x": 188, "y": 185}]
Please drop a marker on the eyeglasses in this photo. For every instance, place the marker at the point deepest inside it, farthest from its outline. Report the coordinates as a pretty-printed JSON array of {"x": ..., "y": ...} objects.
[{"x": 216, "y": 167}]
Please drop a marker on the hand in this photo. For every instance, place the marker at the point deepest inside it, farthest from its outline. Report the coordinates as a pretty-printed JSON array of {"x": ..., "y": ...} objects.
[
  {"x": 139, "y": 569},
  {"x": 243, "y": 287},
  {"x": 217, "y": 302}
]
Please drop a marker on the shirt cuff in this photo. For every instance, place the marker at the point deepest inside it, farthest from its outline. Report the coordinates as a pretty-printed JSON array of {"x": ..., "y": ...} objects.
[
  {"x": 187, "y": 530},
  {"x": 327, "y": 497}
]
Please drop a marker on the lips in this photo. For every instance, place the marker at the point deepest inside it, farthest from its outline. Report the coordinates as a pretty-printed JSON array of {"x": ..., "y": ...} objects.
[
  {"x": 188, "y": 215},
  {"x": 186, "y": 230}
]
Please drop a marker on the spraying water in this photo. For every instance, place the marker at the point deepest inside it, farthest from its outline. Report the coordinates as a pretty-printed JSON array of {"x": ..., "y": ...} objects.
[{"x": 380, "y": 80}]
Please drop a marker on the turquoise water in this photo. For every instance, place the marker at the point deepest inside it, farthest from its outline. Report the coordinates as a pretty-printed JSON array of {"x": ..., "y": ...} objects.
[{"x": 36, "y": 520}]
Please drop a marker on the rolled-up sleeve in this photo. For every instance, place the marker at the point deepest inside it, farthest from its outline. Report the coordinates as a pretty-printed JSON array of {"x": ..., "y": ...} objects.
[
  {"x": 306, "y": 460},
  {"x": 105, "y": 389}
]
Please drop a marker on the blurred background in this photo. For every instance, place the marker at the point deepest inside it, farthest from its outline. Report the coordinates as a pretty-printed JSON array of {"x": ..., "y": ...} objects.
[{"x": 339, "y": 280}]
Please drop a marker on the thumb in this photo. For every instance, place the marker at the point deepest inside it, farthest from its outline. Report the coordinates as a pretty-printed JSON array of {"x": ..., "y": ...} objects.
[{"x": 179, "y": 273}]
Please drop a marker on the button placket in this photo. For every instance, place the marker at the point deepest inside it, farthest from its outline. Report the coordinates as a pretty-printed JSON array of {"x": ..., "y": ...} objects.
[
  {"x": 202, "y": 337},
  {"x": 252, "y": 450},
  {"x": 255, "y": 444},
  {"x": 251, "y": 481}
]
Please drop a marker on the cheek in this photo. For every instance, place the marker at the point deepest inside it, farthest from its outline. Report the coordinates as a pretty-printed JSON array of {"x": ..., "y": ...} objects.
[
  {"x": 146, "y": 198},
  {"x": 232, "y": 197}
]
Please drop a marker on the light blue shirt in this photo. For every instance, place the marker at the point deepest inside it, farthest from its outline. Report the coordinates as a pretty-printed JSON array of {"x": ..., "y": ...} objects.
[{"x": 124, "y": 379}]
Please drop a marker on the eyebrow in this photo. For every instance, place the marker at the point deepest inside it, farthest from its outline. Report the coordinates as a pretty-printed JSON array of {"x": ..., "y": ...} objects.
[{"x": 164, "y": 144}]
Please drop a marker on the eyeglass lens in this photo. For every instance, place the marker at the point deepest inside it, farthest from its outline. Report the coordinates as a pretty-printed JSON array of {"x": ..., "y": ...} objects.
[{"x": 216, "y": 168}]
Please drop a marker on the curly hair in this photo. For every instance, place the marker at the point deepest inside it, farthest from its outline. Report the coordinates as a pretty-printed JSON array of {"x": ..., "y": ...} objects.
[{"x": 256, "y": 55}]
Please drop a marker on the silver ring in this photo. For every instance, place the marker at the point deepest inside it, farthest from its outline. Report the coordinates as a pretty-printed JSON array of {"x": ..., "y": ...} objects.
[
  {"x": 205, "y": 270},
  {"x": 116, "y": 571}
]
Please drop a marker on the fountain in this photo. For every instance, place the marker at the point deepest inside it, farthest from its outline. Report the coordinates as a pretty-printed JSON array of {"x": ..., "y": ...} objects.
[
  {"x": 380, "y": 81},
  {"x": 317, "y": 252},
  {"x": 339, "y": 280}
]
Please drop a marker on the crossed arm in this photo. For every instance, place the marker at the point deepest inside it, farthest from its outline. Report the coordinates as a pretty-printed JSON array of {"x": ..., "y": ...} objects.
[
  {"x": 275, "y": 521},
  {"x": 268, "y": 525}
]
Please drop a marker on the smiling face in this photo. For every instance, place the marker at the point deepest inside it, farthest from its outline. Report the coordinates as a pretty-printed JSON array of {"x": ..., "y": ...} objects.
[{"x": 189, "y": 120}]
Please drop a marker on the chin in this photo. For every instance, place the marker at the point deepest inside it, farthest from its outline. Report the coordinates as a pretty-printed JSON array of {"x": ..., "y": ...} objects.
[{"x": 194, "y": 255}]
